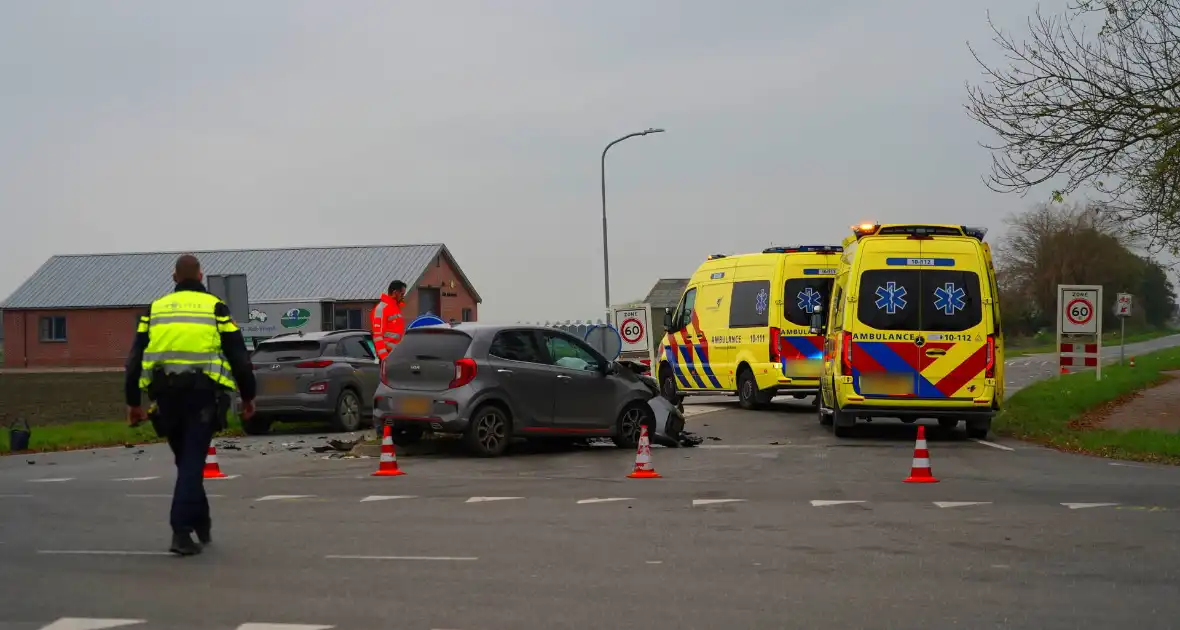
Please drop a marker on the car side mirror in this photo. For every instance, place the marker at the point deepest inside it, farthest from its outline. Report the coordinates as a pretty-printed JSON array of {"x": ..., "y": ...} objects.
[
  {"x": 667, "y": 320},
  {"x": 818, "y": 323},
  {"x": 607, "y": 368}
]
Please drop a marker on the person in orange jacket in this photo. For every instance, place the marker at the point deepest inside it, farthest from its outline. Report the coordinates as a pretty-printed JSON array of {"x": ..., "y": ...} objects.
[{"x": 387, "y": 322}]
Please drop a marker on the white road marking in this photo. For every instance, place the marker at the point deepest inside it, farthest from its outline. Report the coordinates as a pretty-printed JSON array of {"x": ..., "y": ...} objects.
[
  {"x": 137, "y": 478},
  {"x": 654, "y": 562},
  {"x": 168, "y": 496},
  {"x": 993, "y": 445},
  {"x": 282, "y": 626},
  {"x": 954, "y": 504},
  {"x": 1124, "y": 465},
  {"x": 696, "y": 502},
  {"x": 99, "y": 552},
  {"x": 424, "y": 558},
  {"x": 612, "y": 499},
  {"x": 87, "y": 623},
  {"x": 283, "y": 497},
  {"x": 698, "y": 410},
  {"x": 1082, "y": 506},
  {"x": 759, "y": 446},
  {"x": 51, "y": 480},
  {"x": 823, "y": 503},
  {"x": 225, "y": 478},
  {"x": 382, "y": 497},
  {"x": 486, "y": 499}
]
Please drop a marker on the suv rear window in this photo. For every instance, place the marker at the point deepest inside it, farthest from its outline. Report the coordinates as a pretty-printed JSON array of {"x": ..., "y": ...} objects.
[
  {"x": 802, "y": 295},
  {"x": 437, "y": 345},
  {"x": 925, "y": 300},
  {"x": 285, "y": 351}
]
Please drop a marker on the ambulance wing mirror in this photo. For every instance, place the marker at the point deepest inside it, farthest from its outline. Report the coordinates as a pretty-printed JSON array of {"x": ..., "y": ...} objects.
[
  {"x": 667, "y": 320},
  {"x": 818, "y": 324}
]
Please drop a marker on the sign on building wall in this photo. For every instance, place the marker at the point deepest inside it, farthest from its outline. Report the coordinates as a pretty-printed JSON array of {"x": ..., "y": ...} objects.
[{"x": 268, "y": 320}]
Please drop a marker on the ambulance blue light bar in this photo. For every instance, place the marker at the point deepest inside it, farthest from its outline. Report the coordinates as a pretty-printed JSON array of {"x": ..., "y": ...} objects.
[
  {"x": 975, "y": 232},
  {"x": 794, "y": 249}
]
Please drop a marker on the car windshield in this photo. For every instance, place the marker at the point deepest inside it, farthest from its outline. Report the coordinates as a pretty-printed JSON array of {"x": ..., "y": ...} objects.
[
  {"x": 285, "y": 351},
  {"x": 431, "y": 346}
]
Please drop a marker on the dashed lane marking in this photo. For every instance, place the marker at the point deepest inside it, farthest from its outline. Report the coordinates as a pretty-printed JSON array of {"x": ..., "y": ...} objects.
[
  {"x": 487, "y": 499},
  {"x": 824, "y": 503},
  {"x": 699, "y": 410},
  {"x": 1082, "y": 506},
  {"x": 99, "y": 552},
  {"x": 51, "y": 480},
  {"x": 696, "y": 502},
  {"x": 609, "y": 500},
  {"x": 382, "y": 497},
  {"x": 993, "y": 444},
  {"x": 282, "y": 626},
  {"x": 284, "y": 497},
  {"x": 225, "y": 478},
  {"x": 90, "y": 623},
  {"x": 138, "y": 478},
  {"x": 955, "y": 504},
  {"x": 413, "y": 558}
]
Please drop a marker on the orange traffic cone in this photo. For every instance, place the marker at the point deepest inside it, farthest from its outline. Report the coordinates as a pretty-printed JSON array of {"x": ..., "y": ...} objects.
[
  {"x": 212, "y": 468},
  {"x": 643, "y": 467},
  {"x": 920, "y": 472},
  {"x": 1064, "y": 370},
  {"x": 1132, "y": 361},
  {"x": 387, "y": 467}
]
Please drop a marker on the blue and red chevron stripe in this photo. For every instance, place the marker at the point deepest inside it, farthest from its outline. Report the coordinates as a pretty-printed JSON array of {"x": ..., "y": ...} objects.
[
  {"x": 690, "y": 360},
  {"x": 904, "y": 357}
]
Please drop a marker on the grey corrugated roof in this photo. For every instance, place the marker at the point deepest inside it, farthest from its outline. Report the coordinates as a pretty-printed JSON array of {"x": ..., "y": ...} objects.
[
  {"x": 275, "y": 275},
  {"x": 666, "y": 293}
]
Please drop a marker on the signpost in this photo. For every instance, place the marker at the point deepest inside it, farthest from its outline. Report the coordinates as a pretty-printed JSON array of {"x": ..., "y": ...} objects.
[
  {"x": 634, "y": 325},
  {"x": 1079, "y": 316},
  {"x": 1122, "y": 310}
]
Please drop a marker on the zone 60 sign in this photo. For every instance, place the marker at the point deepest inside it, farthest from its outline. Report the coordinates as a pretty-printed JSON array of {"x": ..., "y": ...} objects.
[{"x": 1079, "y": 311}]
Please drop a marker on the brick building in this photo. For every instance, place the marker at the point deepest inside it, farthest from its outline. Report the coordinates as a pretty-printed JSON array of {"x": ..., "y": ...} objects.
[{"x": 81, "y": 311}]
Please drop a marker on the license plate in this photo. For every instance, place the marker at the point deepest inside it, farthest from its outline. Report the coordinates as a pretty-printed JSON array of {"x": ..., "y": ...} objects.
[
  {"x": 278, "y": 386},
  {"x": 887, "y": 384},
  {"x": 806, "y": 368},
  {"x": 415, "y": 406}
]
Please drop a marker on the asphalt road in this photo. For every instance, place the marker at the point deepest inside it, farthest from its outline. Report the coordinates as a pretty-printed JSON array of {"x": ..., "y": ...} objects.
[{"x": 773, "y": 524}]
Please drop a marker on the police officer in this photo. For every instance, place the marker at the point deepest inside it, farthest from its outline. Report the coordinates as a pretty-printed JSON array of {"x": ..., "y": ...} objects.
[{"x": 188, "y": 355}]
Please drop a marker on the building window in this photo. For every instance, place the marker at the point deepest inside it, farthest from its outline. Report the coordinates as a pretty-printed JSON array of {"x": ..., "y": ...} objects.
[
  {"x": 467, "y": 314},
  {"x": 53, "y": 329},
  {"x": 349, "y": 319}
]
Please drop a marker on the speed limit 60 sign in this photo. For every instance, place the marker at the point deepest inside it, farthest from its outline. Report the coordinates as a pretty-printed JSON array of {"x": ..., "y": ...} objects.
[
  {"x": 632, "y": 324},
  {"x": 1079, "y": 309}
]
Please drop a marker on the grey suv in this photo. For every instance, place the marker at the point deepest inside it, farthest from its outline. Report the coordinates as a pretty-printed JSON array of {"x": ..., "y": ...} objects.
[
  {"x": 493, "y": 383},
  {"x": 329, "y": 375}
]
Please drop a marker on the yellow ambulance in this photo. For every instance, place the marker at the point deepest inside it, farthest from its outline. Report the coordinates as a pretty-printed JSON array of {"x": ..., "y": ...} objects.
[
  {"x": 743, "y": 326},
  {"x": 913, "y": 329}
]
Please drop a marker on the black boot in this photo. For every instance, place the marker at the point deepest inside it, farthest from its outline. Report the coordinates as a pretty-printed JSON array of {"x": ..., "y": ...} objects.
[
  {"x": 204, "y": 534},
  {"x": 183, "y": 545}
]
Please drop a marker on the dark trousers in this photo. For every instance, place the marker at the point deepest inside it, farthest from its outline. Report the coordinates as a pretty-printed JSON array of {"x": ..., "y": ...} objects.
[{"x": 188, "y": 422}]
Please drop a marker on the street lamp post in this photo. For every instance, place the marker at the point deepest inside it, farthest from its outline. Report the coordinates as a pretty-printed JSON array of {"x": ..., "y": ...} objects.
[{"x": 605, "y": 250}]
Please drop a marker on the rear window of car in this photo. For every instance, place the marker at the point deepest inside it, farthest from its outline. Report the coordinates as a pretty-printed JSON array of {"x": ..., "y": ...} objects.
[
  {"x": 802, "y": 295},
  {"x": 442, "y": 346},
  {"x": 285, "y": 351},
  {"x": 920, "y": 300}
]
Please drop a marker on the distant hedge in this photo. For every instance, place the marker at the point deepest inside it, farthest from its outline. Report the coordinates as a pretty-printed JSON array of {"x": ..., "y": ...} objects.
[{"x": 45, "y": 398}]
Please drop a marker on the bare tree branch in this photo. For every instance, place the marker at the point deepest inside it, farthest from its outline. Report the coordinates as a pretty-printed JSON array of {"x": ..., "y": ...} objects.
[{"x": 1095, "y": 110}]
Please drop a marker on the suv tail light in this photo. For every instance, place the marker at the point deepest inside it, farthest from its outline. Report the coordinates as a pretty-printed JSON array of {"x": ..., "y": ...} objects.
[
  {"x": 775, "y": 353},
  {"x": 990, "y": 370},
  {"x": 464, "y": 373},
  {"x": 846, "y": 355},
  {"x": 317, "y": 363}
]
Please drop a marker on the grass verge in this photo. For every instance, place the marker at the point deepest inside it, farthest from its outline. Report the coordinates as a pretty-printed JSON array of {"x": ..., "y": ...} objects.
[
  {"x": 1045, "y": 412},
  {"x": 96, "y": 434},
  {"x": 1021, "y": 347}
]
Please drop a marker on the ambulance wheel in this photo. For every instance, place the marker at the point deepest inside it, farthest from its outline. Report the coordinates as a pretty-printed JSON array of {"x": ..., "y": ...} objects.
[
  {"x": 977, "y": 430},
  {"x": 948, "y": 424},
  {"x": 749, "y": 397},
  {"x": 668, "y": 385}
]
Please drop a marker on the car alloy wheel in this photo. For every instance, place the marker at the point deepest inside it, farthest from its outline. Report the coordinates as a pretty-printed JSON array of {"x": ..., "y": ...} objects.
[
  {"x": 491, "y": 431},
  {"x": 631, "y": 423},
  {"x": 348, "y": 411}
]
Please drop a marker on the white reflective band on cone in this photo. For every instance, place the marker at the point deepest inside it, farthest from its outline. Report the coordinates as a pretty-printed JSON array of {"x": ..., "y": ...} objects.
[
  {"x": 920, "y": 444},
  {"x": 921, "y": 463}
]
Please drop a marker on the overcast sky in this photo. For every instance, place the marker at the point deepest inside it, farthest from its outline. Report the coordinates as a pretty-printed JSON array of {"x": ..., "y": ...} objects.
[{"x": 166, "y": 125}]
